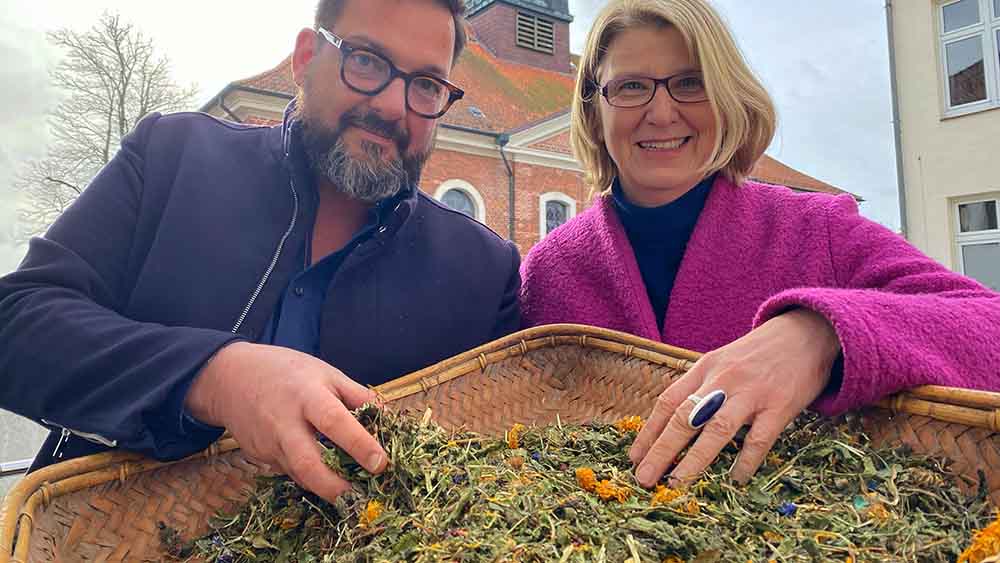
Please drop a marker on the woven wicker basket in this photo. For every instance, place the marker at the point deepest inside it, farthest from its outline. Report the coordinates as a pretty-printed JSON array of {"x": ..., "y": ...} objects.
[{"x": 106, "y": 507}]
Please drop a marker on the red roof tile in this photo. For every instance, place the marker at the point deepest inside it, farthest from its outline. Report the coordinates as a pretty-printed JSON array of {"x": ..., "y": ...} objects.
[
  {"x": 278, "y": 79},
  {"x": 771, "y": 171}
]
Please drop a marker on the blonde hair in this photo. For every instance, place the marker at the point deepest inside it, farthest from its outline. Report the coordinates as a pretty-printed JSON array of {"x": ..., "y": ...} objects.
[{"x": 744, "y": 113}]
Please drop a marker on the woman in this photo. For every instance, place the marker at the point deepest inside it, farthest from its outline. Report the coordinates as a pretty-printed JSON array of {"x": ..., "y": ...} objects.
[{"x": 799, "y": 300}]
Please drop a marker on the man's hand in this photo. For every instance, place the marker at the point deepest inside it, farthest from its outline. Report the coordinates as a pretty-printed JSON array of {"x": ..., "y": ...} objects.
[
  {"x": 769, "y": 375},
  {"x": 274, "y": 399}
]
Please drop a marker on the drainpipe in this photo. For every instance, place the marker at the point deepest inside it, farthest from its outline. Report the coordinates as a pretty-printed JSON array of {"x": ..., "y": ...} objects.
[
  {"x": 501, "y": 141},
  {"x": 900, "y": 184}
]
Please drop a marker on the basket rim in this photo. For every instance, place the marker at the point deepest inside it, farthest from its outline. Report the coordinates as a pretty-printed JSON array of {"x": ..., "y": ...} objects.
[{"x": 971, "y": 407}]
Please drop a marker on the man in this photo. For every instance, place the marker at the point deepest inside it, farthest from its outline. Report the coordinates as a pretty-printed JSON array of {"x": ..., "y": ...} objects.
[{"x": 259, "y": 279}]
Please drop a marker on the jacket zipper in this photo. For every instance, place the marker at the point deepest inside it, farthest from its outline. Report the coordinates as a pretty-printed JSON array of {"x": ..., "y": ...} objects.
[
  {"x": 66, "y": 433},
  {"x": 274, "y": 259}
]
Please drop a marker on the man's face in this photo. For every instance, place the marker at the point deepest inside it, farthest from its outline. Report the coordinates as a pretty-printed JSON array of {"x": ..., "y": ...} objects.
[{"x": 371, "y": 147}]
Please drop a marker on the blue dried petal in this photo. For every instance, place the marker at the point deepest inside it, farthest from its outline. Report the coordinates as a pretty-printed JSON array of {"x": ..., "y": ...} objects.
[
  {"x": 537, "y": 456},
  {"x": 872, "y": 484},
  {"x": 458, "y": 478},
  {"x": 787, "y": 508},
  {"x": 226, "y": 557}
]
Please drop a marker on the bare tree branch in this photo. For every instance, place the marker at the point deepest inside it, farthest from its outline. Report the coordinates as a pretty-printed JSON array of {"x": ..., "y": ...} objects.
[{"x": 112, "y": 77}]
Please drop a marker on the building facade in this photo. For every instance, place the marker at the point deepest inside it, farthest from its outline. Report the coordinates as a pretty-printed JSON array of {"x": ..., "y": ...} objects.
[{"x": 946, "y": 56}]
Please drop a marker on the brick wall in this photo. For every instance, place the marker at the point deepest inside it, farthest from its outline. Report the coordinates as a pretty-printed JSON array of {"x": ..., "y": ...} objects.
[
  {"x": 489, "y": 177},
  {"x": 495, "y": 27}
]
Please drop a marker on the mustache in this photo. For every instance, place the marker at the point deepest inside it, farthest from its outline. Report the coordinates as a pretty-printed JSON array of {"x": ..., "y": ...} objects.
[{"x": 371, "y": 122}]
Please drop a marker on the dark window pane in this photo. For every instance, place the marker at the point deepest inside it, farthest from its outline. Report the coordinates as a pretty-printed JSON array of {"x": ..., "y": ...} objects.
[
  {"x": 556, "y": 213},
  {"x": 966, "y": 78},
  {"x": 982, "y": 263},
  {"x": 460, "y": 201},
  {"x": 980, "y": 216},
  {"x": 996, "y": 8},
  {"x": 961, "y": 14}
]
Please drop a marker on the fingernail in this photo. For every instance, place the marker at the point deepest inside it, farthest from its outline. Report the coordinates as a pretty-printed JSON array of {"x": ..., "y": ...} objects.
[{"x": 375, "y": 462}]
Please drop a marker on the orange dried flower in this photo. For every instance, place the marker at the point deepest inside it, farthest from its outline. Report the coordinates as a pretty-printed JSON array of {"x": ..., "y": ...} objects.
[
  {"x": 629, "y": 424},
  {"x": 985, "y": 543},
  {"x": 772, "y": 537},
  {"x": 372, "y": 511},
  {"x": 513, "y": 436},
  {"x": 673, "y": 559},
  {"x": 692, "y": 507},
  {"x": 586, "y": 479},
  {"x": 516, "y": 462},
  {"x": 664, "y": 495},
  {"x": 879, "y": 513},
  {"x": 609, "y": 491}
]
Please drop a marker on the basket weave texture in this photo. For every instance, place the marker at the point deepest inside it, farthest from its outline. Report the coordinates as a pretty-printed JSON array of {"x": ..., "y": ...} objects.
[{"x": 107, "y": 507}]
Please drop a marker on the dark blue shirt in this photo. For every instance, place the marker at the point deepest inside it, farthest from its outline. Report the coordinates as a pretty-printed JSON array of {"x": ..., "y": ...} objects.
[{"x": 659, "y": 236}]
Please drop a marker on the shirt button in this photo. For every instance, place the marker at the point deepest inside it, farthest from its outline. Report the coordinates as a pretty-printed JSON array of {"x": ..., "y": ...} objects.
[{"x": 299, "y": 292}]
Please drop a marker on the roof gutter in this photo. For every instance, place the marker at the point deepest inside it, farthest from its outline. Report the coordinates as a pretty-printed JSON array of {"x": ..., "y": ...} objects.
[
  {"x": 219, "y": 98},
  {"x": 897, "y": 137}
]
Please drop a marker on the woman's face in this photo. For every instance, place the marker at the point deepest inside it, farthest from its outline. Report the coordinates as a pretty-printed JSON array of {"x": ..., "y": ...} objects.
[{"x": 659, "y": 147}]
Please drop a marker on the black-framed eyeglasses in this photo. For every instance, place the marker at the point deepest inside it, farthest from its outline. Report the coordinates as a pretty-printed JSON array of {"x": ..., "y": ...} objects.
[
  {"x": 367, "y": 72},
  {"x": 632, "y": 92}
]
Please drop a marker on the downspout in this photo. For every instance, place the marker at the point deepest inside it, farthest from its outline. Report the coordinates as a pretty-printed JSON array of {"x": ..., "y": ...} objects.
[
  {"x": 900, "y": 184},
  {"x": 501, "y": 141}
]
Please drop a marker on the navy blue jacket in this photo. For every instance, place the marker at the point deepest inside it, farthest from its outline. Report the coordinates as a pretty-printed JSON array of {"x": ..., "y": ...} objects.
[{"x": 182, "y": 244}]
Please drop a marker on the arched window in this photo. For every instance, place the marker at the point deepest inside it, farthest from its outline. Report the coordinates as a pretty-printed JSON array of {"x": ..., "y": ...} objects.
[
  {"x": 554, "y": 209},
  {"x": 462, "y": 197}
]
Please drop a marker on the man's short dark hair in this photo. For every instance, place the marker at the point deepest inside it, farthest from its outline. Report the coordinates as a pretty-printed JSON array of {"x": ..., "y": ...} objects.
[{"x": 327, "y": 12}]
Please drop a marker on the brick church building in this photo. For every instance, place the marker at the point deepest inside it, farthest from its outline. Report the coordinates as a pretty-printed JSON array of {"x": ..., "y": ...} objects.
[{"x": 502, "y": 154}]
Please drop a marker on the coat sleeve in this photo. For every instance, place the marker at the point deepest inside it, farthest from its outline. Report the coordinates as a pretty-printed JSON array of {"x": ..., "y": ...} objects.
[
  {"x": 68, "y": 355},
  {"x": 903, "y": 319},
  {"x": 509, "y": 315}
]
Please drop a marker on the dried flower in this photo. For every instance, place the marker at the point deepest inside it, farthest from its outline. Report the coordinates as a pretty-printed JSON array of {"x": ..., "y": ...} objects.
[
  {"x": 664, "y": 495},
  {"x": 879, "y": 513},
  {"x": 372, "y": 511},
  {"x": 586, "y": 479},
  {"x": 787, "y": 509},
  {"x": 673, "y": 559},
  {"x": 516, "y": 462},
  {"x": 772, "y": 537},
  {"x": 513, "y": 436},
  {"x": 609, "y": 491},
  {"x": 985, "y": 543},
  {"x": 692, "y": 507},
  {"x": 629, "y": 424}
]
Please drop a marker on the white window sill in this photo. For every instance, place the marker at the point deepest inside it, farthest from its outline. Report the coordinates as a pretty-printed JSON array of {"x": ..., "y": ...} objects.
[{"x": 969, "y": 110}]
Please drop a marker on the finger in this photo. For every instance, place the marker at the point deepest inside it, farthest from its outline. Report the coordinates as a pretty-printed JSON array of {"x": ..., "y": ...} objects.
[
  {"x": 666, "y": 405},
  {"x": 763, "y": 434},
  {"x": 675, "y": 437},
  {"x": 352, "y": 393},
  {"x": 301, "y": 460},
  {"x": 715, "y": 435},
  {"x": 328, "y": 415}
]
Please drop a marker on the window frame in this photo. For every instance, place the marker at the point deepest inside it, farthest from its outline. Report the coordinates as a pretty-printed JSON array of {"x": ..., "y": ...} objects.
[
  {"x": 463, "y": 186},
  {"x": 987, "y": 30},
  {"x": 553, "y": 196},
  {"x": 961, "y": 239}
]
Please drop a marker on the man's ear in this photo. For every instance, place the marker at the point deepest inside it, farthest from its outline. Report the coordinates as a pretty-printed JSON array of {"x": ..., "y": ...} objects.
[{"x": 305, "y": 49}]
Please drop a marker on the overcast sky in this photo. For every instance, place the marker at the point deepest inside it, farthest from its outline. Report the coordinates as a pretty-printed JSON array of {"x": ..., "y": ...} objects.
[{"x": 824, "y": 61}]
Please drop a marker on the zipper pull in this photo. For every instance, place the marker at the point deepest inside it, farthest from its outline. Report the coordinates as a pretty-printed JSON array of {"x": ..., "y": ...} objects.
[{"x": 63, "y": 438}]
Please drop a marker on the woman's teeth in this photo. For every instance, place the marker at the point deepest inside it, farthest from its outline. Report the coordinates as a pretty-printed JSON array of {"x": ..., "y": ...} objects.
[{"x": 662, "y": 145}]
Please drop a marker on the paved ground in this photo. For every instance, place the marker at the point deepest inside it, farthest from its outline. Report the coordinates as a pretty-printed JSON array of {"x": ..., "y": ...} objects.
[{"x": 19, "y": 439}]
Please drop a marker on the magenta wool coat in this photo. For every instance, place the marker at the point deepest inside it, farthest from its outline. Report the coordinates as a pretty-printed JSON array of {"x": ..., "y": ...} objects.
[{"x": 757, "y": 250}]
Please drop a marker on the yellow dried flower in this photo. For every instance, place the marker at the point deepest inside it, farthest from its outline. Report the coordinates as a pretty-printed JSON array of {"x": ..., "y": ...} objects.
[
  {"x": 586, "y": 479},
  {"x": 609, "y": 491},
  {"x": 629, "y": 424},
  {"x": 513, "y": 438},
  {"x": 821, "y": 537},
  {"x": 673, "y": 559},
  {"x": 773, "y": 459},
  {"x": 692, "y": 507},
  {"x": 848, "y": 559},
  {"x": 664, "y": 495},
  {"x": 985, "y": 543},
  {"x": 879, "y": 513},
  {"x": 772, "y": 537},
  {"x": 372, "y": 511}
]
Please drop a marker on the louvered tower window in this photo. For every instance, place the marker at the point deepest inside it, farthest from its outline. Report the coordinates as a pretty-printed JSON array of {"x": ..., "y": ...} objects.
[{"x": 535, "y": 33}]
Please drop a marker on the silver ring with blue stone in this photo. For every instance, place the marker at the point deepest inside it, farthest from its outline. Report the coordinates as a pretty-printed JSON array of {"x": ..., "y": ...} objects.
[{"x": 705, "y": 408}]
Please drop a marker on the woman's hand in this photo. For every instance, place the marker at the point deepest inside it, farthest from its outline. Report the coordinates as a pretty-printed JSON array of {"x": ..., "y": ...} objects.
[{"x": 769, "y": 375}]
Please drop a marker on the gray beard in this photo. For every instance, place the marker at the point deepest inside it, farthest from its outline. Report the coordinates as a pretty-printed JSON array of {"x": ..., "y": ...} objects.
[{"x": 370, "y": 179}]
